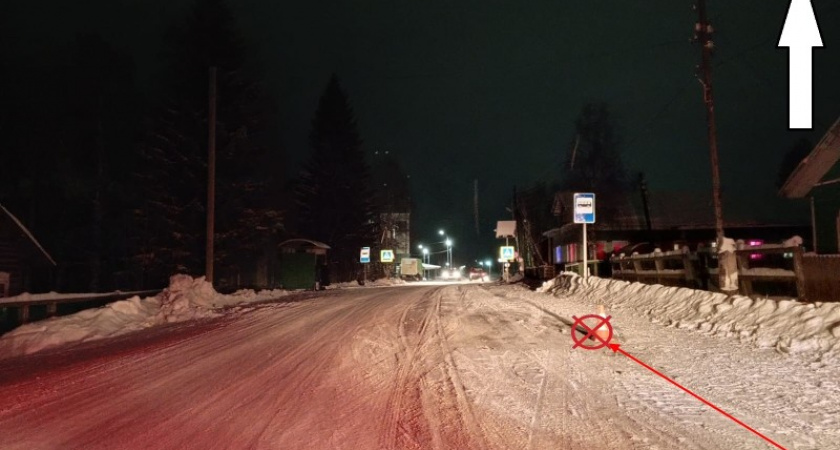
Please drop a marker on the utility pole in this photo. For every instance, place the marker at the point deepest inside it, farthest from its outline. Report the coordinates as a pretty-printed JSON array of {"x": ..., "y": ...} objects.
[
  {"x": 703, "y": 34},
  {"x": 645, "y": 204},
  {"x": 211, "y": 178},
  {"x": 475, "y": 206}
]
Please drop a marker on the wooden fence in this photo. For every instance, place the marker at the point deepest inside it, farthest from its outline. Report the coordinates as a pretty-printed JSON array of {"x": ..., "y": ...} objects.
[
  {"x": 778, "y": 269},
  {"x": 673, "y": 268},
  {"x": 773, "y": 270}
]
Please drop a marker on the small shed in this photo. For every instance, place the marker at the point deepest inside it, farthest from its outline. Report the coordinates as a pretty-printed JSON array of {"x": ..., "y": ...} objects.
[
  {"x": 303, "y": 264},
  {"x": 20, "y": 254}
]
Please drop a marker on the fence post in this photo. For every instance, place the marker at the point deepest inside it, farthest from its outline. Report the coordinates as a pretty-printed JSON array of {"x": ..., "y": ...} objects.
[
  {"x": 689, "y": 270},
  {"x": 23, "y": 314},
  {"x": 800, "y": 274}
]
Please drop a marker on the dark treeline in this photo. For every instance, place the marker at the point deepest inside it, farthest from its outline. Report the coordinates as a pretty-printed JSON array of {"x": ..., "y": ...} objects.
[{"x": 113, "y": 180}]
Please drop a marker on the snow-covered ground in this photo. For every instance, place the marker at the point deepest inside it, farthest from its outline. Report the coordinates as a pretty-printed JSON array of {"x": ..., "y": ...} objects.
[{"x": 425, "y": 366}]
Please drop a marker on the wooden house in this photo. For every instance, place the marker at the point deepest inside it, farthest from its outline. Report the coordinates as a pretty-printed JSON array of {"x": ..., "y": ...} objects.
[{"x": 817, "y": 178}]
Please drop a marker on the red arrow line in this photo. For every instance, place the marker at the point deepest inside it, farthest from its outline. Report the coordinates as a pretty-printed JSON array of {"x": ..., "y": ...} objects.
[{"x": 617, "y": 348}]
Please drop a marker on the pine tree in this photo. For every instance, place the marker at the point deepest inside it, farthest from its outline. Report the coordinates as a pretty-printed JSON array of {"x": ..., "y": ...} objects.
[
  {"x": 333, "y": 193},
  {"x": 594, "y": 164},
  {"x": 175, "y": 153}
]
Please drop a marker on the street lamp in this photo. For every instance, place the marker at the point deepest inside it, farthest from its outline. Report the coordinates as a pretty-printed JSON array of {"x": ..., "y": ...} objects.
[
  {"x": 425, "y": 261},
  {"x": 448, "y": 251}
]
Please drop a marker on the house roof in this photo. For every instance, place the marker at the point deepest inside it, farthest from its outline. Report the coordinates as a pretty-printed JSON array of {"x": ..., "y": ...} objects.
[
  {"x": 813, "y": 167},
  {"x": 303, "y": 243},
  {"x": 27, "y": 234}
]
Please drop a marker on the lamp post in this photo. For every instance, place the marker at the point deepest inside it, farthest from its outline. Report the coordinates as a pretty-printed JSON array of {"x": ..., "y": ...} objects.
[
  {"x": 425, "y": 260},
  {"x": 448, "y": 252}
]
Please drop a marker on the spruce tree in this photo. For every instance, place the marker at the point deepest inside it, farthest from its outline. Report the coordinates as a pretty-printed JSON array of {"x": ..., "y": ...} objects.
[
  {"x": 175, "y": 153},
  {"x": 333, "y": 192},
  {"x": 594, "y": 164}
]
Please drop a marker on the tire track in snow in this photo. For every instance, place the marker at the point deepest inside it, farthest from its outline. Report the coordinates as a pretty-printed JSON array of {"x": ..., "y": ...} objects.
[{"x": 401, "y": 425}]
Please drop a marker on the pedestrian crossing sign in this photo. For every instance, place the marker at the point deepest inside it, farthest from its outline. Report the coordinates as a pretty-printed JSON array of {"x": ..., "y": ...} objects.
[
  {"x": 506, "y": 253},
  {"x": 386, "y": 256}
]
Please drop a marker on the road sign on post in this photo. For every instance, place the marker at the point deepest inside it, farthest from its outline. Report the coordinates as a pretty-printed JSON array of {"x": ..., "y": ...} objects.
[
  {"x": 507, "y": 253},
  {"x": 364, "y": 256},
  {"x": 584, "y": 208},
  {"x": 585, "y": 213},
  {"x": 386, "y": 256}
]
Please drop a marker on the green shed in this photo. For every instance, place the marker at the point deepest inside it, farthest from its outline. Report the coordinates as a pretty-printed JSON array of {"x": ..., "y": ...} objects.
[{"x": 303, "y": 264}]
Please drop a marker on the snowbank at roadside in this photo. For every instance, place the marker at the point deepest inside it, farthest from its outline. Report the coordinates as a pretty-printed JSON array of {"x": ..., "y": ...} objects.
[
  {"x": 186, "y": 298},
  {"x": 379, "y": 282},
  {"x": 789, "y": 326}
]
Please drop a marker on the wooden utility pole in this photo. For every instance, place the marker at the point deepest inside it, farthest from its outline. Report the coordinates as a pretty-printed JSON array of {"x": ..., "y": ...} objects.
[
  {"x": 211, "y": 177},
  {"x": 645, "y": 204},
  {"x": 703, "y": 34},
  {"x": 475, "y": 206}
]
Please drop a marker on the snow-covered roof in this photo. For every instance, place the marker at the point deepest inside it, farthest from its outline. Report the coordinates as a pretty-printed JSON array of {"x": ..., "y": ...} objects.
[
  {"x": 303, "y": 243},
  {"x": 813, "y": 167},
  {"x": 28, "y": 234}
]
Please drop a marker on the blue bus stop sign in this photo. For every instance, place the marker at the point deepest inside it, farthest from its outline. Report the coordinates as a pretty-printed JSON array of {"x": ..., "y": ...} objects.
[{"x": 584, "y": 208}]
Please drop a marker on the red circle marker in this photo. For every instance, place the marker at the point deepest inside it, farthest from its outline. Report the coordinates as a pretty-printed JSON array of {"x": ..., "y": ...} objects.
[{"x": 588, "y": 332}]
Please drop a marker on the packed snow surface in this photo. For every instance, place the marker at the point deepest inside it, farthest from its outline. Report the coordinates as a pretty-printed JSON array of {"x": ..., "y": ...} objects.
[{"x": 425, "y": 366}]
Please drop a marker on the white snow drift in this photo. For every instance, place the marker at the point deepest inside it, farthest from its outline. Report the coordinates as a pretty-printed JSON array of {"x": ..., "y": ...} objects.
[{"x": 789, "y": 326}]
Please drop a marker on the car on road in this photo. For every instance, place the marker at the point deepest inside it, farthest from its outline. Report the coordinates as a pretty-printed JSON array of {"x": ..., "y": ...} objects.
[
  {"x": 452, "y": 274},
  {"x": 477, "y": 273}
]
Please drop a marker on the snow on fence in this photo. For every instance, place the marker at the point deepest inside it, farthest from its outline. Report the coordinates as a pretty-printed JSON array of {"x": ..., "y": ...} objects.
[
  {"x": 773, "y": 269},
  {"x": 673, "y": 268}
]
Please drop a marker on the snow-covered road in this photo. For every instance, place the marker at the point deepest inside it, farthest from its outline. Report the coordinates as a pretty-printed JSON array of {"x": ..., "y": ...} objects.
[{"x": 413, "y": 367}]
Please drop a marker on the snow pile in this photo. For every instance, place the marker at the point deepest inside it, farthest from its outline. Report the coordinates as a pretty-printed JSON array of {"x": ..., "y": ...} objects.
[
  {"x": 110, "y": 320},
  {"x": 379, "y": 282},
  {"x": 186, "y": 298},
  {"x": 788, "y": 326}
]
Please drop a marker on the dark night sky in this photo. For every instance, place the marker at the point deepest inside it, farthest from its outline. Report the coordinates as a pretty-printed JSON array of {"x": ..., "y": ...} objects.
[{"x": 490, "y": 89}]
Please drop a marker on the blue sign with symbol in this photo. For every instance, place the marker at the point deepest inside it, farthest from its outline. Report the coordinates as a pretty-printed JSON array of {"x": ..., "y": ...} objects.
[
  {"x": 386, "y": 256},
  {"x": 364, "y": 256},
  {"x": 584, "y": 208},
  {"x": 506, "y": 253}
]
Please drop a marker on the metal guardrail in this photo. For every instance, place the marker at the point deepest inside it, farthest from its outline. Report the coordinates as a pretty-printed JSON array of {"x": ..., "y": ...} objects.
[{"x": 52, "y": 303}]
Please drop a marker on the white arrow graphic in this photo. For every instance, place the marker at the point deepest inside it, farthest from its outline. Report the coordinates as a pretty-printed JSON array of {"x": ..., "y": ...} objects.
[{"x": 801, "y": 34}]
